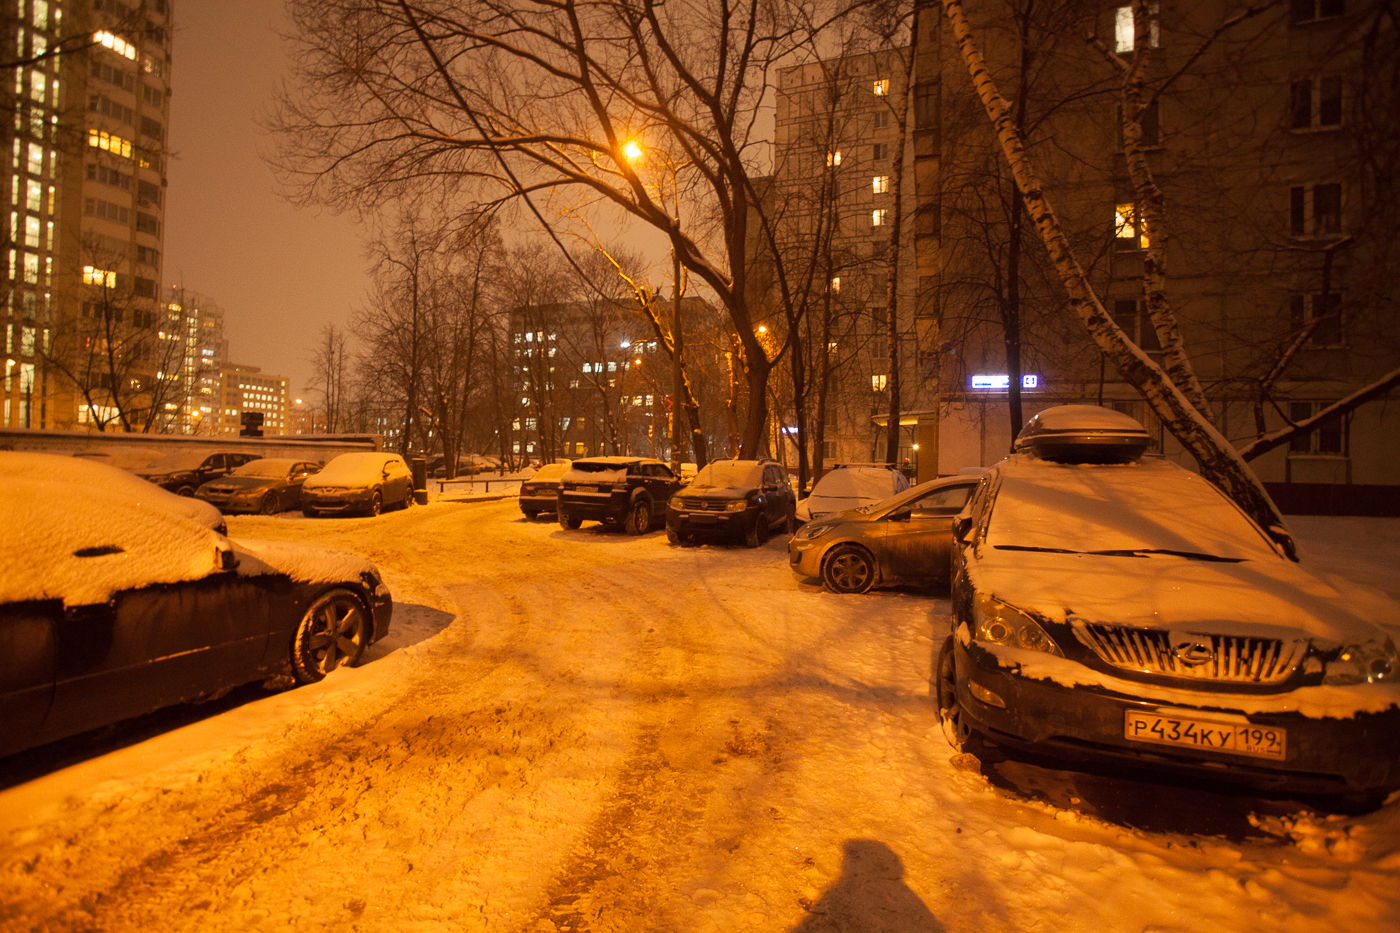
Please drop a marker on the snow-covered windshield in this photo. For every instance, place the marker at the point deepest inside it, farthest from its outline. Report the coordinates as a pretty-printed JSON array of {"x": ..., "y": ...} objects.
[
  {"x": 733, "y": 474},
  {"x": 353, "y": 468},
  {"x": 1144, "y": 507},
  {"x": 267, "y": 469},
  {"x": 550, "y": 473},
  {"x": 861, "y": 483},
  {"x": 177, "y": 462}
]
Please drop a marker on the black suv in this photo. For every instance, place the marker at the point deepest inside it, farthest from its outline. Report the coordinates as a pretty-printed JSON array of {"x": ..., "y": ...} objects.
[
  {"x": 185, "y": 471},
  {"x": 630, "y": 490},
  {"x": 745, "y": 497}
]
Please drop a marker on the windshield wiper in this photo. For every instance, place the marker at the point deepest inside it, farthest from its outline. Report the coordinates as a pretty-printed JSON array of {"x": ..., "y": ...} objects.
[{"x": 1189, "y": 555}]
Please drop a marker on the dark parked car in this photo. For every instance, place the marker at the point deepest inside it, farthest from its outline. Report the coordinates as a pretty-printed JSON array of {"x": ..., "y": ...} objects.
[
  {"x": 628, "y": 490},
  {"x": 540, "y": 493},
  {"x": 268, "y": 486},
  {"x": 184, "y": 472},
  {"x": 359, "y": 482},
  {"x": 748, "y": 498},
  {"x": 112, "y": 606},
  {"x": 903, "y": 540},
  {"x": 1113, "y": 606}
]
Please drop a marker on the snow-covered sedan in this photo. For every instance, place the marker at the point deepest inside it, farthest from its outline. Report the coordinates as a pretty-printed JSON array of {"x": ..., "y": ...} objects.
[
  {"x": 903, "y": 540},
  {"x": 360, "y": 482},
  {"x": 269, "y": 486},
  {"x": 112, "y": 606},
  {"x": 540, "y": 493},
  {"x": 1117, "y": 607}
]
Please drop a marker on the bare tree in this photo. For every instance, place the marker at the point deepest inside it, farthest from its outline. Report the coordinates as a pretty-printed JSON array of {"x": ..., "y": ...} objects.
[{"x": 329, "y": 362}]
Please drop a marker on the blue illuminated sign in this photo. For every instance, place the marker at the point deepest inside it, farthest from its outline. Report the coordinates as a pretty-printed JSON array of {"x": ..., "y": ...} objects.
[{"x": 1001, "y": 382}]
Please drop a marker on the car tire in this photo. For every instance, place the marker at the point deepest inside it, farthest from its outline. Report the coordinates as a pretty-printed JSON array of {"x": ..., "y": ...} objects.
[
  {"x": 334, "y": 632},
  {"x": 754, "y": 536},
  {"x": 673, "y": 537},
  {"x": 531, "y": 516},
  {"x": 790, "y": 526},
  {"x": 950, "y": 714},
  {"x": 376, "y": 504},
  {"x": 848, "y": 569},
  {"x": 570, "y": 522},
  {"x": 186, "y": 491},
  {"x": 638, "y": 521},
  {"x": 269, "y": 504}
]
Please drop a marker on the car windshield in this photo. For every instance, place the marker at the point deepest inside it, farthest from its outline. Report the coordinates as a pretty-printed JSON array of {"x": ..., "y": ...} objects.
[
  {"x": 178, "y": 461},
  {"x": 267, "y": 469},
  {"x": 354, "y": 468},
  {"x": 736, "y": 474},
  {"x": 1134, "y": 510},
  {"x": 855, "y": 483},
  {"x": 550, "y": 472}
]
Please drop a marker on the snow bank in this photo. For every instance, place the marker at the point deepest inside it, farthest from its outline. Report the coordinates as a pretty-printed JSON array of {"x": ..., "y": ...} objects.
[{"x": 91, "y": 473}]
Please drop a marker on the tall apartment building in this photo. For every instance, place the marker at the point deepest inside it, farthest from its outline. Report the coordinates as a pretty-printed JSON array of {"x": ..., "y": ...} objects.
[
  {"x": 193, "y": 359},
  {"x": 1273, "y": 148},
  {"x": 249, "y": 389},
  {"x": 85, "y": 139}
]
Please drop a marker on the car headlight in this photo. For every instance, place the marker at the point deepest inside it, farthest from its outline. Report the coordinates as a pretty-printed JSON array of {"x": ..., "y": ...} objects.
[
  {"x": 737, "y": 506},
  {"x": 810, "y": 531},
  {"x": 1373, "y": 662},
  {"x": 996, "y": 622}
]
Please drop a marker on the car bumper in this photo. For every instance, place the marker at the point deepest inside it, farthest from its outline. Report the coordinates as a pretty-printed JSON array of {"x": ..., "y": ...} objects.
[
  {"x": 805, "y": 556},
  {"x": 1088, "y": 722},
  {"x": 337, "y": 502},
  {"x": 693, "y": 521},
  {"x": 540, "y": 503},
  {"x": 231, "y": 504},
  {"x": 382, "y": 608},
  {"x": 594, "y": 508}
]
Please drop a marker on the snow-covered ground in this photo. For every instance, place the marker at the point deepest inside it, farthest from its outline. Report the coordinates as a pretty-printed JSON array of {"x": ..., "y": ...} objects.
[{"x": 582, "y": 730}]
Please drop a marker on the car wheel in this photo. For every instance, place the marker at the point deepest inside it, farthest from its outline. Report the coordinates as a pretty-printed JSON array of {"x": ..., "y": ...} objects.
[
  {"x": 332, "y": 633},
  {"x": 639, "y": 518},
  {"x": 531, "y": 516},
  {"x": 790, "y": 526},
  {"x": 408, "y": 499},
  {"x": 754, "y": 536},
  {"x": 269, "y": 504},
  {"x": 950, "y": 714},
  {"x": 186, "y": 491},
  {"x": 672, "y": 536},
  {"x": 376, "y": 504},
  {"x": 848, "y": 569},
  {"x": 569, "y": 521}
]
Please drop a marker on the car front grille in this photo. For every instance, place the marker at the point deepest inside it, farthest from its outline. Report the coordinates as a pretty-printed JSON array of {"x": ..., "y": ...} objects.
[
  {"x": 1231, "y": 658},
  {"x": 704, "y": 505}
]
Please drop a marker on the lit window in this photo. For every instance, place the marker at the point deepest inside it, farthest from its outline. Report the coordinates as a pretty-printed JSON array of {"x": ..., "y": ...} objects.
[
  {"x": 31, "y": 232},
  {"x": 878, "y": 383},
  {"x": 101, "y": 139},
  {"x": 36, "y": 159},
  {"x": 880, "y": 184},
  {"x": 38, "y": 85},
  {"x": 1128, "y": 230},
  {"x": 881, "y": 87},
  {"x": 835, "y": 284},
  {"x": 1125, "y": 31},
  {"x": 879, "y": 217},
  {"x": 115, "y": 43},
  {"x": 833, "y": 158},
  {"x": 95, "y": 276}
]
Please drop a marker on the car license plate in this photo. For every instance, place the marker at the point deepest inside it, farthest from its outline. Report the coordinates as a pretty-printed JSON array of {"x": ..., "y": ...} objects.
[
  {"x": 703, "y": 519},
  {"x": 1235, "y": 738}
]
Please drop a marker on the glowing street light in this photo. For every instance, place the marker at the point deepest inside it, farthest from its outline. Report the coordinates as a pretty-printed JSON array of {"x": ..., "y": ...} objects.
[{"x": 633, "y": 150}]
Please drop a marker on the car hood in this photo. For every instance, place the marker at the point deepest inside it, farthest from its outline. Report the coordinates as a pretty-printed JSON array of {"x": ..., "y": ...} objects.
[
  {"x": 321, "y": 482},
  {"x": 301, "y": 562},
  {"x": 716, "y": 492},
  {"x": 1274, "y": 599},
  {"x": 242, "y": 482}
]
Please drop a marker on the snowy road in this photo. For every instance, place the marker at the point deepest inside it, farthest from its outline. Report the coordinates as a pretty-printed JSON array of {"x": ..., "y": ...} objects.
[{"x": 586, "y": 731}]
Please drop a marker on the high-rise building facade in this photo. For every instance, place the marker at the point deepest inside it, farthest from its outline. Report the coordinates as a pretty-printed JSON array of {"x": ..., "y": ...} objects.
[
  {"x": 86, "y": 141},
  {"x": 249, "y": 389}
]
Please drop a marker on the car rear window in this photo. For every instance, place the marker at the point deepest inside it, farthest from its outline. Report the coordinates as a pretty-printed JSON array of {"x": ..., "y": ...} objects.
[{"x": 1151, "y": 505}]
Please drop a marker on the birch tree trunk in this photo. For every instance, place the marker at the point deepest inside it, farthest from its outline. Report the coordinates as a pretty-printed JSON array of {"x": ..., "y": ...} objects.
[{"x": 1218, "y": 460}]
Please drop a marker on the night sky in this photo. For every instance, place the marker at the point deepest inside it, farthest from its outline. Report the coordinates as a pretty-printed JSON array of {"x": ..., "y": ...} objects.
[{"x": 279, "y": 273}]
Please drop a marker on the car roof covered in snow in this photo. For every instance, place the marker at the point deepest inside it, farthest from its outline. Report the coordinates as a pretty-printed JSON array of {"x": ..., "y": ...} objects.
[
  {"x": 89, "y": 472},
  {"x": 354, "y": 467},
  {"x": 867, "y": 484}
]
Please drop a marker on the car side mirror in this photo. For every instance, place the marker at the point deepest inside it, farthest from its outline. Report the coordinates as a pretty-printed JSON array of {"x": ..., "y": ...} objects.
[
  {"x": 1280, "y": 536},
  {"x": 225, "y": 558},
  {"x": 962, "y": 524},
  {"x": 899, "y": 515}
]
